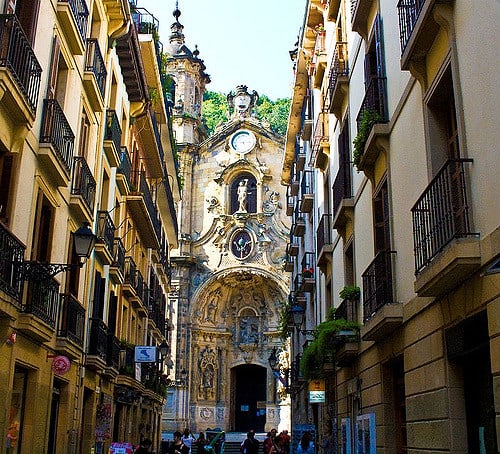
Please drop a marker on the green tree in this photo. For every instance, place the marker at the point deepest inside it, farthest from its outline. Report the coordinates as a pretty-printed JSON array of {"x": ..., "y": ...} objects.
[{"x": 215, "y": 109}]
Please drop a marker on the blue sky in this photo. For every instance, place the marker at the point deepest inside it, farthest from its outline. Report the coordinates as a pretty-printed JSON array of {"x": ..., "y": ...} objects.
[{"x": 241, "y": 42}]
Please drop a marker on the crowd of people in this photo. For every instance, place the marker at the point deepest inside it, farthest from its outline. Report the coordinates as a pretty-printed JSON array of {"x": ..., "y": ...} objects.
[{"x": 274, "y": 443}]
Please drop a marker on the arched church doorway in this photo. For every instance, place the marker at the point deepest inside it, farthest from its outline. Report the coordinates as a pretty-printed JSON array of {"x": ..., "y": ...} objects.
[{"x": 250, "y": 386}]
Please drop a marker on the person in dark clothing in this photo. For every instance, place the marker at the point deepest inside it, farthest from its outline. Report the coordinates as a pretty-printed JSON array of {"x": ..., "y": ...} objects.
[
  {"x": 251, "y": 444},
  {"x": 200, "y": 443},
  {"x": 177, "y": 446},
  {"x": 144, "y": 447}
]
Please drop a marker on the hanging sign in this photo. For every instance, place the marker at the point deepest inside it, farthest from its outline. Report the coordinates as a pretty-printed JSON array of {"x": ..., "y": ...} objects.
[
  {"x": 145, "y": 354},
  {"x": 61, "y": 364},
  {"x": 316, "y": 391}
]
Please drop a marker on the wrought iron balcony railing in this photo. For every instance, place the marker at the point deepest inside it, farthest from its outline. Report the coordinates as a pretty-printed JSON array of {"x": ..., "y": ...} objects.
[
  {"x": 80, "y": 14},
  {"x": 11, "y": 259},
  {"x": 43, "y": 299},
  {"x": 113, "y": 130},
  {"x": 72, "y": 319},
  {"x": 94, "y": 63},
  {"x": 57, "y": 132},
  {"x": 342, "y": 186},
  {"x": 441, "y": 213},
  {"x": 105, "y": 230},
  {"x": 125, "y": 167},
  {"x": 348, "y": 310},
  {"x": 375, "y": 100},
  {"x": 339, "y": 67},
  {"x": 98, "y": 344},
  {"x": 377, "y": 284},
  {"x": 324, "y": 232},
  {"x": 130, "y": 272},
  {"x": 409, "y": 12},
  {"x": 118, "y": 254},
  {"x": 83, "y": 183},
  {"x": 113, "y": 351},
  {"x": 17, "y": 55},
  {"x": 150, "y": 205}
]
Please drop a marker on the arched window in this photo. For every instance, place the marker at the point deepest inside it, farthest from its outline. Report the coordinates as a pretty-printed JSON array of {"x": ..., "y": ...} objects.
[{"x": 244, "y": 194}]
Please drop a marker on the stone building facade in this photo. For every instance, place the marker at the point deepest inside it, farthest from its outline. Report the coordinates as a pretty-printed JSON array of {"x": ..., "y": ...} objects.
[{"x": 228, "y": 281}]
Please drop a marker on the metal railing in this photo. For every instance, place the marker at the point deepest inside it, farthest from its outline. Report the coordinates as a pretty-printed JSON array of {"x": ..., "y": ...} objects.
[
  {"x": 80, "y": 14},
  {"x": 307, "y": 183},
  {"x": 113, "y": 351},
  {"x": 130, "y": 272},
  {"x": 409, "y": 12},
  {"x": 94, "y": 63},
  {"x": 83, "y": 182},
  {"x": 150, "y": 205},
  {"x": 339, "y": 67},
  {"x": 441, "y": 213},
  {"x": 377, "y": 284},
  {"x": 118, "y": 254},
  {"x": 72, "y": 319},
  {"x": 105, "y": 230},
  {"x": 113, "y": 130},
  {"x": 125, "y": 167},
  {"x": 57, "y": 132},
  {"x": 347, "y": 310},
  {"x": 375, "y": 100},
  {"x": 43, "y": 299},
  {"x": 324, "y": 232},
  {"x": 17, "y": 55},
  {"x": 98, "y": 344},
  {"x": 11, "y": 259},
  {"x": 342, "y": 186}
]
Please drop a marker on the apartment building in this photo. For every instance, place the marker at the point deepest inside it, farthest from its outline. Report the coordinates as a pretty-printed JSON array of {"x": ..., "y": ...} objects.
[
  {"x": 390, "y": 158},
  {"x": 85, "y": 147}
]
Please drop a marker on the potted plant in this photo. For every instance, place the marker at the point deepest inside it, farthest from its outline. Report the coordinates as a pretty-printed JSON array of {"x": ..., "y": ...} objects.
[
  {"x": 308, "y": 272},
  {"x": 350, "y": 292},
  {"x": 368, "y": 118}
]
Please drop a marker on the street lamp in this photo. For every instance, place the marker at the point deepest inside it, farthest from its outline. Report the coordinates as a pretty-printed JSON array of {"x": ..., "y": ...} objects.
[
  {"x": 297, "y": 312},
  {"x": 83, "y": 243}
]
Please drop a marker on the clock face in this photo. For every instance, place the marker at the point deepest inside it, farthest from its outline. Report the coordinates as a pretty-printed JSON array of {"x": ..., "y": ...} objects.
[
  {"x": 241, "y": 244},
  {"x": 243, "y": 141}
]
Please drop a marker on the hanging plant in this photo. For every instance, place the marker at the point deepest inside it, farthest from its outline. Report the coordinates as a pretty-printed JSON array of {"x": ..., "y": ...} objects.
[
  {"x": 350, "y": 292},
  {"x": 368, "y": 119}
]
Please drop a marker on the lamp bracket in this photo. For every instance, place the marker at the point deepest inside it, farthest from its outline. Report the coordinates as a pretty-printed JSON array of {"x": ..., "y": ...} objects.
[{"x": 39, "y": 271}]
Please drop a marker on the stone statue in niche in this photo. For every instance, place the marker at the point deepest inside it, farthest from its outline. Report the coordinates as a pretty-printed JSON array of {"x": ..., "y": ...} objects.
[
  {"x": 212, "y": 306},
  {"x": 207, "y": 367},
  {"x": 249, "y": 330}
]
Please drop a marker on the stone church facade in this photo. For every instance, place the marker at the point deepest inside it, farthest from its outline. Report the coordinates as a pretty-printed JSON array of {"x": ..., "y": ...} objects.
[{"x": 228, "y": 276}]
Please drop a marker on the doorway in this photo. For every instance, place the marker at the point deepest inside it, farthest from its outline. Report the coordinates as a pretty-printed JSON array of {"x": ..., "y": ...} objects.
[{"x": 249, "y": 384}]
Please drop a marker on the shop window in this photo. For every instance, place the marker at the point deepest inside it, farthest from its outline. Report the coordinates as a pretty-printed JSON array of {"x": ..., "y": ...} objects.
[{"x": 16, "y": 411}]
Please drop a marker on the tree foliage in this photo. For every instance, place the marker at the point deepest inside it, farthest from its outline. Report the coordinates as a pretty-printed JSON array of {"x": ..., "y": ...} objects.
[{"x": 215, "y": 111}]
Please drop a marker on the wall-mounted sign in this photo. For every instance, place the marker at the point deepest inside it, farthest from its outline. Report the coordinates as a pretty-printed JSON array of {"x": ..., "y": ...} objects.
[
  {"x": 145, "y": 354},
  {"x": 61, "y": 364},
  {"x": 316, "y": 391}
]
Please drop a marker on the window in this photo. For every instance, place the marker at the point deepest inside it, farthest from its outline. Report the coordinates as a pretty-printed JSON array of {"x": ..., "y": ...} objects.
[
  {"x": 42, "y": 230},
  {"x": 382, "y": 236},
  {"x": 27, "y": 14},
  {"x": 17, "y": 408},
  {"x": 6, "y": 176}
]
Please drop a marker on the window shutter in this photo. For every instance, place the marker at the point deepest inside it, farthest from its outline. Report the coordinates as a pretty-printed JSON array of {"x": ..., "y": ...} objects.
[{"x": 56, "y": 52}]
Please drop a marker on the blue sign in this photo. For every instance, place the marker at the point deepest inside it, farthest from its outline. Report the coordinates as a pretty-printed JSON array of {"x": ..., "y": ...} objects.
[{"x": 145, "y": 354}]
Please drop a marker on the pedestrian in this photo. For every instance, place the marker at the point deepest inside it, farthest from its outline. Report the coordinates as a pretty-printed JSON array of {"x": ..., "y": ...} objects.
[
  {"x": 267, "y": 445},
  {"x": 286, "y": 441},
  {"x": 251, "y": 444},
  {"x": 187, "y": 438},
  {"x": 306, "y": 445},
  {"x": 200, "y": 443},
  {"x": 177, "y": 446},
  {"x": 144, "y": 446}
]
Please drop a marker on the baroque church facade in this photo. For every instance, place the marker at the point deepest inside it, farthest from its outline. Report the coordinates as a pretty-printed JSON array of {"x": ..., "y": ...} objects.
[{"x": 228, "y": 283}]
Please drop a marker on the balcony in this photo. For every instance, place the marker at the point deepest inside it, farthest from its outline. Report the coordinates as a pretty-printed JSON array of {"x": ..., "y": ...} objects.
[
  {"x": 152, "y": 147},
  {"x": 446, "y": 249},
  {"x": 20, "y": 73},
  {"x": 290, "y": 202},
  {"x": 39, "y": 314},
  {"x": 324, "y": 241},
  {"x": 112, "y": 356},
  {"x": 144, "y": 212},
  {"x": 306, "y": 117},
  {"x": 321, "y": 144},
  {"x": 112, "y": 139},
  {"x": 130, "y": 284},
  {"x": 105, "y": 242},
  {"x": 307, "y": 191},
  {"x": 371, "y": 120},
  {"x": 117, "y": 267},
  {"x": 381, "y": 314},
  {"x": 308, "y": 281},
  {"x": 338, "y": 80},
  {"x": 300, "y": 156},
  {"x": 343, "y": 201},
  {"x": 96, "y": 358},
  {"x": 418, "y": 29},
  {"x": 293, "y": 249},
  {"x": 333, "y": 9},
  {"x": 94, "y": 76},
  {"x": 71, "y": 332},
  {"x": 348, "y": 349},
  {"x": 294, "y": 180},
  {"x": 57, "y": 142},
  {"x": 73, "y": 15},
  {"x": 11, "y": 281},
  {"x": 299, "y": 227},
  {"x": 361, "y": 11},
  {"x": 124, "y": 172},
  {"x": 83, "y": 187}
]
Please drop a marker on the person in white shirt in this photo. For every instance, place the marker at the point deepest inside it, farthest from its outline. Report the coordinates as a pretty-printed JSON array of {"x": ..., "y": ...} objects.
[{"x": 187, "y": 438}]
